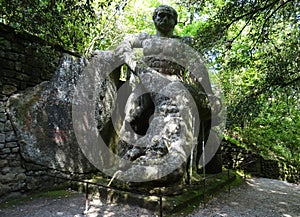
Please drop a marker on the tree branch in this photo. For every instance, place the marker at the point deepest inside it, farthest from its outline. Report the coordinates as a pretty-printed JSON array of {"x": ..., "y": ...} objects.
[
  {"x": 267, "y": 18},
  {"x": 241, "y": 30},
  {"x": 251, "y": 13},
  {"x": 290, "y": 82}
]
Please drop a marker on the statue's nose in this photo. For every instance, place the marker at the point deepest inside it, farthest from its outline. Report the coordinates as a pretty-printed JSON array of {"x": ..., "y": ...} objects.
[{"x": 164, "y": 19}]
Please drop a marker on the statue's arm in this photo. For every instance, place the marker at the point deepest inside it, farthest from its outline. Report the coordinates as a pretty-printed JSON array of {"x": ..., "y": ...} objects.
[{"x": 125, "y": 50}]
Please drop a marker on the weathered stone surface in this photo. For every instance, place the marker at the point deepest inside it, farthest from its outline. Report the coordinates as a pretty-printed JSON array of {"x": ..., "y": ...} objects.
[
  {"x": 23, "y": 77},
  {"x": 4, "y": 189},
  {"x": 9, "y": 89},
  {"x": 2, "y": 117},
  {"x": 3, "y": 156},
  {"x": 3, "y": 163},
  {"x": 3, "y": 98},
  {"x": 2, "y": 107},
  {"x": 7, "y": 178},
  {"x": 15, "y": 150},
  {"x": 5, "y": 151},
  {"x": 12, "y": 156},
  {"x": 9, "y": 73},
  {"x": 7, "y": 64},
  {"x": 2, "y": 137},
  {"x": 42, "y": 119},
  {"x": 32, "y": 183},
  {"x": 10, "y": 136},
  {"x": 15, "y": 163},
  {"x": 33, "y": 167},
  {"x": 162, "y": 152},
  {"x": 20, "y": 177},
  {"x": 8, "y": 126},
  {"x": 12, "y": 56},
  {"x": 11, "y": 145},
  {"x": 6, "y": 170},
  {"x": 18, "y": 66},
  {"x": 5, "y": 43}
]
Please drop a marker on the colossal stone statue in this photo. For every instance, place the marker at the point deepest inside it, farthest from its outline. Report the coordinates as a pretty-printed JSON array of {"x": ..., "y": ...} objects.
[{"x": 146, "y": 136}]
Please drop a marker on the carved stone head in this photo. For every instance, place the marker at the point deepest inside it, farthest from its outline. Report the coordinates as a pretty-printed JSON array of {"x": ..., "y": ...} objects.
[{"x": 165, "y": 18}]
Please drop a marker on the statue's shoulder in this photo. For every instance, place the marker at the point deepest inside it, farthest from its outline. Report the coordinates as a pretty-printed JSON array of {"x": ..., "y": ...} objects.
[
  {"x": 135, "y": 40},
  {"x": 144, "y": 36},
  {"x": 185, "y": 39},
  {"x": 139, "y": 36}
]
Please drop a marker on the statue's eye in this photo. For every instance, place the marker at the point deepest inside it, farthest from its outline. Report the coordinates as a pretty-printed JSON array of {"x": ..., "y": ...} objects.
[{"x": 162, "y": 14}]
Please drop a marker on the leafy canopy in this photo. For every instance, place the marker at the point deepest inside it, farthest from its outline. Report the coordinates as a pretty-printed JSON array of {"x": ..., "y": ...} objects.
[{"x": 252, "y": 46}]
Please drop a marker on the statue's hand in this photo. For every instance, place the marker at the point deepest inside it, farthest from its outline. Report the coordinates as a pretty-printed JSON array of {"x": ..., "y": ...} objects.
[
  {"x": 130, "y": 60},
  {"x": 122, "y": 48},
  {"x": 126, "y": 54}
]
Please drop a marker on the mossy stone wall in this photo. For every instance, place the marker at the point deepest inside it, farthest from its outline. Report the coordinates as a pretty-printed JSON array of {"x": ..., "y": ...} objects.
[
  {"x": 25, "y": 61},
  {"x": 237, "y": 157}
]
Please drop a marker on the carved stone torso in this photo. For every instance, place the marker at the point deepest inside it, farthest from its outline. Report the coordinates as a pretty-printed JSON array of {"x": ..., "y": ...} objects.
[{"x": 153, "y": 59}]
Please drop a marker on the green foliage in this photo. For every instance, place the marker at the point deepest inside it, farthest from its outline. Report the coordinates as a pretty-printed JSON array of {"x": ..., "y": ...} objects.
[
  {"x": 275, "y": 132},
  {"x": 252, "y": 47},
  {"x": 73, "y": 24}
]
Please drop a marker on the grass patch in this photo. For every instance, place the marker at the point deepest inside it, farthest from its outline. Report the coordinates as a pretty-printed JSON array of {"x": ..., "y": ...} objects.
[{"x": 26, "y": 198}]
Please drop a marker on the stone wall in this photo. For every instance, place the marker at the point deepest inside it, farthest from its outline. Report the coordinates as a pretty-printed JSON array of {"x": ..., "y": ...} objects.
[
  {"x": 25, "y": 61},
  {"x": 236, "y": 157}
]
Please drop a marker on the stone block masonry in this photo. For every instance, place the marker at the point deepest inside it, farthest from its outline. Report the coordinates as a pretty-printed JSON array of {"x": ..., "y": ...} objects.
[
  {"x": 237, "y": 157},
  {"x": 12, "y": 174},
  {"x": 25, "y": 61}
]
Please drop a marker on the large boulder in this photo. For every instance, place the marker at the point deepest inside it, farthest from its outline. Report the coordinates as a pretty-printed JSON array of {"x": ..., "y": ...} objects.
[{"x": 42, "y": 119}]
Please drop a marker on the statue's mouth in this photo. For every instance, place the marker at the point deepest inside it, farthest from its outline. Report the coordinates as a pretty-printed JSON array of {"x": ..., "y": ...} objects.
[
  {"x": 164, "y": 25},
  {"x": 163, "y": 22}
]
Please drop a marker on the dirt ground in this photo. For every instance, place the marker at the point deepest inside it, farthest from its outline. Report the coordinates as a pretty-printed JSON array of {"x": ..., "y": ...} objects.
[{"x": 257, "y": 197}]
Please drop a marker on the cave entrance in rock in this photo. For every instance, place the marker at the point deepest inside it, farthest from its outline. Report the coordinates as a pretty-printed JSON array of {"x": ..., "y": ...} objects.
[{"x": 141, "y": 121}]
